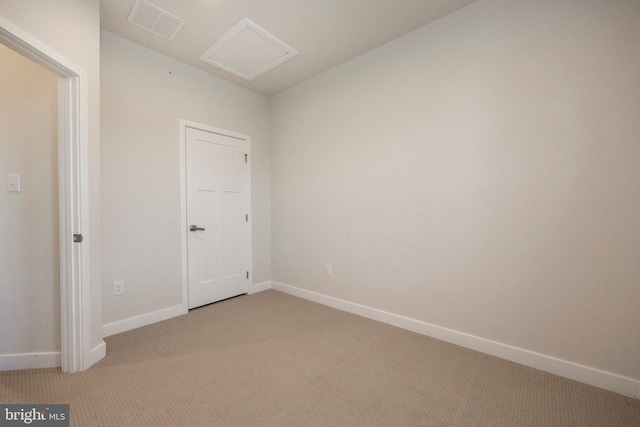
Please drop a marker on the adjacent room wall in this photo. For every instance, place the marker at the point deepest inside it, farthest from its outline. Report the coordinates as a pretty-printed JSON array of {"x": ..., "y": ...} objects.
[
  {"x": 29, "y": 252},
  {"x": 72, "y": 28},
  {"x": 144, "y": 94},
  {"x": 480, "y": 174}
]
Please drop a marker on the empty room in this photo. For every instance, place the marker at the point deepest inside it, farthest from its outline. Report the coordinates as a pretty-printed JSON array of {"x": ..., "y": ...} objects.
[{"x": 320, "y": 212}]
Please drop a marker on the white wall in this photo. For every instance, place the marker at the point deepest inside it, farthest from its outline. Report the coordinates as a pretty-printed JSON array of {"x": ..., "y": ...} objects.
[
  {"x": 481, "y": 174},
  {"x": 72, "y": 28},
  {"x": 141, "y": 108},
  {"x": 29, "y": 253}
]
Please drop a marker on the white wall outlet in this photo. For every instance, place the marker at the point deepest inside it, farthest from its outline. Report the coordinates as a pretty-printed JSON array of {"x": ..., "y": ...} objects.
[
  {"x": 328, "y": 270},
  {"x": 118, "y": 287}
]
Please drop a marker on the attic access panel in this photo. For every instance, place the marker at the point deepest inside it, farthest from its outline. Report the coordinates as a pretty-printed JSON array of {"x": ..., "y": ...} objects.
[{"x": 248, "y": 51}]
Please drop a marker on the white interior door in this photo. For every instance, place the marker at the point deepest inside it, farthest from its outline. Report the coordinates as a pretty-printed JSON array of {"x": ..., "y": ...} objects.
[{"x": 217, "y": 216}]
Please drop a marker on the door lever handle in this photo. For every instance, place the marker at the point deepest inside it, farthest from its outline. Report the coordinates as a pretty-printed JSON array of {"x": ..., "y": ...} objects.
[{"x": 195, "y": 228}]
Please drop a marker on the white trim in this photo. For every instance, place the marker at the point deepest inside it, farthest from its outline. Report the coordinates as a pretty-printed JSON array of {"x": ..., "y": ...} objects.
[
  {"x": 259, "y": 287},
  {"x": 360, "y": 310},
  {"x": 141, "y": 320},
  {"x": 182, "y": 128},
  {"x": 585, "y": 374},
  {"x": 73, "y": 170},
  {"x": 98, "y": 352},
  {"x": 12, "y": 362}
]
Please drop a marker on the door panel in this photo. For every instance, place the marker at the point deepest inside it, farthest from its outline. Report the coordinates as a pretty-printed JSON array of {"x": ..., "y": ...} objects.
[
  {"x": 217, "y": 203},
  {"x": 206, "y": 242},
  {"x": 232, "y": 250}
]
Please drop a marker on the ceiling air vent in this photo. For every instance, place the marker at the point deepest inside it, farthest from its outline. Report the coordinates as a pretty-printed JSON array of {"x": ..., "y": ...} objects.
[
  {"x": 156, "y": 20},
  {"x": 248, "y": 51}
]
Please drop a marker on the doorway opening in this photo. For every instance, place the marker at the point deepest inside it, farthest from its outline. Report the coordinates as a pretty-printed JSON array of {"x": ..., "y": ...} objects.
[
  {"x": 29, "y": 252},
  {"x": 73, "y": 213}
]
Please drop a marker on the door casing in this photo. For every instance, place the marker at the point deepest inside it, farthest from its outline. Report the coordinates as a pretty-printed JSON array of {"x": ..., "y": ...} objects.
[
  {"x": 73, "y": 179},
  {"x": 183, "y": 125}
]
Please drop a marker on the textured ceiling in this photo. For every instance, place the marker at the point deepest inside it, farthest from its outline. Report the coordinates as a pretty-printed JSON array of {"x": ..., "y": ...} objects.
[{"x": 325, "y": 33}]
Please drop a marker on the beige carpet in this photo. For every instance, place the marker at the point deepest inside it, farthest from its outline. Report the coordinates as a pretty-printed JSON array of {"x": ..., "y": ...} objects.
[{"x": 271, "y": 359}]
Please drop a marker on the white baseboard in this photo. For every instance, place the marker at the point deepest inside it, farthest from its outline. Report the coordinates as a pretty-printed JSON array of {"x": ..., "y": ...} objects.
[
  {"x": 12, "y": 362},
  {"x": 98, "y": 353},
  {"x": 259, "y": 287},
  {"x": 51, "y": 359},
  {"x": 142, "y": 320},
  {"x": 585, "y": 374},
  {"x": 164, "y": 314}
]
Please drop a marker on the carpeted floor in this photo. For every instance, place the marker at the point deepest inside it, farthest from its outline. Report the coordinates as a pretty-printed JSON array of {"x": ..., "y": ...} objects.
[{"x": 270, "y": 359}]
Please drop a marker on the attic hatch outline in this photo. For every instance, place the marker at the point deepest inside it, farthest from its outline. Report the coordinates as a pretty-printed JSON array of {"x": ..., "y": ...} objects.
[{"x": 248, "y": 51}]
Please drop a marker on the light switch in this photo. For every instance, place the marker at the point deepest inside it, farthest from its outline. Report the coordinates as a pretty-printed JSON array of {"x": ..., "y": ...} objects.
[{"x": 13, "y": 183}]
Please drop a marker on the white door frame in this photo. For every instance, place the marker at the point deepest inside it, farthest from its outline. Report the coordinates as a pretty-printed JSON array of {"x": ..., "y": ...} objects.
[
  {"x": 73, "y": 176},
  {"x": 184, "y": 124}
]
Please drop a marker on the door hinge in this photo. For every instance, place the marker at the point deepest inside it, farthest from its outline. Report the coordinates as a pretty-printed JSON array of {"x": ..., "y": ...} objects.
[
  {"x": 246, "y": 158},
  {"x": 246, "y": 217},
  {"x": 78, "y": 238},
  {"x": 247, "y": 274}
]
